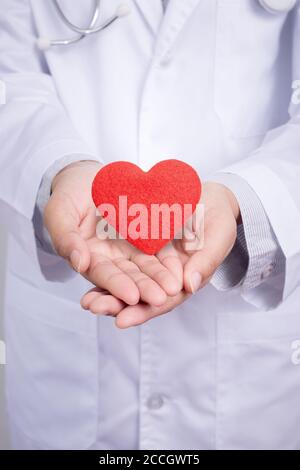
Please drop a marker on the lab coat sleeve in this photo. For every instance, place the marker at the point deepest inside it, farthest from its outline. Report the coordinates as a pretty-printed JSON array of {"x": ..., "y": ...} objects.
[
  {"x": 256, "y": 255},
  {"x": 35, "y": 130},
  {"x": 273, "y": 172},
  {"x": 232, "y": 272},
  {"x": 42, "y": 235}
]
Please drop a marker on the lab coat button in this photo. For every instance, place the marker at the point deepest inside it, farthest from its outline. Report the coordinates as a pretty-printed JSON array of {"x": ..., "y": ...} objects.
[
  {"x": 165, "y": 60},
  {"x": 155, "y": 402},
  {"x": 267, "y": 271}
]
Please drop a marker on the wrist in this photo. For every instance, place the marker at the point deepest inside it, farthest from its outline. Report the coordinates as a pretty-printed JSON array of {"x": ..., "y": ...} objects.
[
  {"x": 90, "y": 166},
  {"x": 234, "y": 204},
  {"x": 228, "y": 196}
]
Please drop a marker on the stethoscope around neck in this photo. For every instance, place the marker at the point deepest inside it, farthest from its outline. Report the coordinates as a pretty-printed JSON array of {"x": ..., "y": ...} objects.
[
  {"x": 44, "y": 43},
  {"x": 278, "y": 6},
  {"x": 272, "y": 6}
]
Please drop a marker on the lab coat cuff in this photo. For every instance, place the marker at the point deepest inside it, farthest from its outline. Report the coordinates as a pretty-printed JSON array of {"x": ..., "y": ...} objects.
[
  {"x": 283, "y": 215},
  {"x": 232, "y": 271},
  {"x": 30, "y": 180},
  {"x": 35, "y": 168},
  {"x": 41, "y": 233},
  {"x": 256, "y": 241}
]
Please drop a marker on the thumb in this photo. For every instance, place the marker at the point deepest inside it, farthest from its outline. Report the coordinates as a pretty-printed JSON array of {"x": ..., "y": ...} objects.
[
  {"x": 62, "y": 221},
  {"x": 218, "y": 243}
]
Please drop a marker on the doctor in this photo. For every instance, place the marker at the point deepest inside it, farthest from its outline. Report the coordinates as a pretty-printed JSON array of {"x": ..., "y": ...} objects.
[{"x": 210, "y": 82}]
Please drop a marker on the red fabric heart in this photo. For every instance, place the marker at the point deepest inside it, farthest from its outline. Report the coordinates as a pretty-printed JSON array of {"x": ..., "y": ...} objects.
[{"x": 168, "y": 182}]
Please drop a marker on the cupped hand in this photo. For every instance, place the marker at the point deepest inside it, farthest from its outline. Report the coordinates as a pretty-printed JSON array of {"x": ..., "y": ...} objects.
[
  {"x": 112, "y": 265},
  {"x": 202, "y": 250}
]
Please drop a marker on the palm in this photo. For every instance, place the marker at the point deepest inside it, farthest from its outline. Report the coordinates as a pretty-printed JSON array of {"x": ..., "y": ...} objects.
[
  {"x": 218, "y": 230},
  {"x": 130, "y": 284},
  {"x": 131, "y": 276},
  {"x": 111, "y": 265}
]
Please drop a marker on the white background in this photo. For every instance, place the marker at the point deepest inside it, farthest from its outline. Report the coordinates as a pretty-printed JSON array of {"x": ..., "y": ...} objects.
[{"x": 3, "y": 424}]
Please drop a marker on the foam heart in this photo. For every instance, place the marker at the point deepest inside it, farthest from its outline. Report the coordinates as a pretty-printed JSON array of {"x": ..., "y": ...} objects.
[{"x": 168, "y": 182}]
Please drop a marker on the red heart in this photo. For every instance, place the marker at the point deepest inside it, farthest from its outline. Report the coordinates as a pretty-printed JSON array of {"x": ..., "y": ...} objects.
[{"x": 168, "y": 182}]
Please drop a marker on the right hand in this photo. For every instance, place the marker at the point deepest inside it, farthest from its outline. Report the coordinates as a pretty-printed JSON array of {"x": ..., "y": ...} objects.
[
  {"x": 218, "y": 228},
  {"x": 112, "y": 265}
]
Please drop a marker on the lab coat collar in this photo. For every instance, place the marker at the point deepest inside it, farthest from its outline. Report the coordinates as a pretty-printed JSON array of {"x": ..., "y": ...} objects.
[
  {"x": 177, "y": 14},
  {"x": 152, "y": 11}
]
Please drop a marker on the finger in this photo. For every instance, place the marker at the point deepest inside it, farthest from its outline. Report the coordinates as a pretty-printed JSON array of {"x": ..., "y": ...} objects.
[
  {"x": 107, "y": 275},
  {"x": 169, "y": 257},
  {"x": 89, "y": 296},
  {"x": 150, "y": 291},
  {"x": 141, "y": 313},
  {"x": 88, "y": 224},
  {"x": 219, "y": 238},
  {"x": 193, "y": 233},
  {"x": 63, "y": 221},
  {"x": 102, "y": 303},
  {"x": 152, "y": 267}
]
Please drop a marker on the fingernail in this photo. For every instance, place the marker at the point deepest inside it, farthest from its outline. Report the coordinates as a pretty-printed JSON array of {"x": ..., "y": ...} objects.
[
  {"x": 75, "y": 260},
  {"x": 195, "y": 282}
]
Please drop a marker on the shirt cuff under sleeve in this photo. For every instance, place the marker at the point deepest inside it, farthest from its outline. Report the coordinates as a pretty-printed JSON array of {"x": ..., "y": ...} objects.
[
  {"x": 256, "y": 255},
  {"x": 41, "y": 233}
]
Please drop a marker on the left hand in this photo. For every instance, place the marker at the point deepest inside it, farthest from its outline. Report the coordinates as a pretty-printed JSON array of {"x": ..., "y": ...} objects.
[
  {"x": 221, "y": 216},
  {"x": 111, "y": 264}
]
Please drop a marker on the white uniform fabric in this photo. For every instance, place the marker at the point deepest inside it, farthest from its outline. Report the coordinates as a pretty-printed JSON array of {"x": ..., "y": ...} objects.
[
  {"x": 249, "y": 264},
  {"x": 220, "y": 372}
]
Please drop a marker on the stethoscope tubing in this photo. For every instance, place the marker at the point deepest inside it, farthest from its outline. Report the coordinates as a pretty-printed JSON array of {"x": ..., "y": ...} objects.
[
  {"x": 44, "y": 43},
  {"x": 122, "y": 10}
]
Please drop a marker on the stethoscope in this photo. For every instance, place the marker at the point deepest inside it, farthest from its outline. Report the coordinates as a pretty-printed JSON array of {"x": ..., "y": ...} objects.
[
  {"x": 44, "y": 43},
  {"x": 278, "y": 6},
  {"x": 272, "y": 6}
]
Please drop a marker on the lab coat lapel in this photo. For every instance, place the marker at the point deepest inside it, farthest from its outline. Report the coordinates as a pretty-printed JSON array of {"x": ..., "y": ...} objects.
[
  {"x": 177, "y": 14},
  {"x": 152, "y": 12}
]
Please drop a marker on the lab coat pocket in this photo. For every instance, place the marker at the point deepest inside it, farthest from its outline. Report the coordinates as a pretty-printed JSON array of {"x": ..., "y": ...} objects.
[
  {"x": 249, "y": 77},
  {"x": 258, "y": 377},
  {"x": 52, "y": 370}
]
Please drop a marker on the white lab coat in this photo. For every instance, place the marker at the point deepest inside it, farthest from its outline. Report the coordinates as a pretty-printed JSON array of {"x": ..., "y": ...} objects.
[{"x": 206, "y": 85}]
